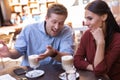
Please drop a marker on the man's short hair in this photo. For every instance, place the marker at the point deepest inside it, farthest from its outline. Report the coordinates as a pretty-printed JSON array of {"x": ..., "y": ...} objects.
[{"x": 57, "y": 9}]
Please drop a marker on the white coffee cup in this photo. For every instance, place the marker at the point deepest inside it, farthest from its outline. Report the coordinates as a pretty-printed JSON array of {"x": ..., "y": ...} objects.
[
  {"x": 67, "y": 62},
  {"x": 33, "y": 62}
]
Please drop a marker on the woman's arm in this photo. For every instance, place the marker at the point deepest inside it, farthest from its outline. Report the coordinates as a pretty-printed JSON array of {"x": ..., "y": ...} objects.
[
  {"x": 100, "y": 44},
  {"x": 80, "y": 61}
]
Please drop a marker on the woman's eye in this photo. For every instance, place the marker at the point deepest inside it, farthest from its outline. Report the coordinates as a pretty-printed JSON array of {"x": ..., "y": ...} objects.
[
  {"x": 89, "y": 18},
  {"x": 53, "y": 22}
]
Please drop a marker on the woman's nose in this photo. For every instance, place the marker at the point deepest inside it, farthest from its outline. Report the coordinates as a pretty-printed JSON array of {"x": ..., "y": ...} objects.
[{"x": 86, "y": 23}]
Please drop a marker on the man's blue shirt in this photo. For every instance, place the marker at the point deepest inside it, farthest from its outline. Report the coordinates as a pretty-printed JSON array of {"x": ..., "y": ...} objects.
[{"x": 33, "y": 40}]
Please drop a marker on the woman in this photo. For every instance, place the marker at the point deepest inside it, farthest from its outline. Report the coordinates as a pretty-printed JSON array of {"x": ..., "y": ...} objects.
[{"x": 99, "y": 49}]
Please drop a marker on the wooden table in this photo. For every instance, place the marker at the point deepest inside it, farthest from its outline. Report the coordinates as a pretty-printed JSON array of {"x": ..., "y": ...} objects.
[
  {"x": 51, "y": 73},
  {"x": 88, "y": 75}
]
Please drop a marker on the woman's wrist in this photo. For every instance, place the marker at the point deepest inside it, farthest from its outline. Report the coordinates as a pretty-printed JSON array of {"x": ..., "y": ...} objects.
[{"x": 90, "y": 67}]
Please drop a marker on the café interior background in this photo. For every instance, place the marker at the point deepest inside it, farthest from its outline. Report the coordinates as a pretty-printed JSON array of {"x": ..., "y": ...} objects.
[{"x": 37, "y": 8}]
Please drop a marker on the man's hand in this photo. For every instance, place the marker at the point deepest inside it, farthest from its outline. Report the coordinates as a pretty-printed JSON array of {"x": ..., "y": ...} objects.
[
  {"x": 4, "y": 51},
  {"x": 49, "y": 52}
]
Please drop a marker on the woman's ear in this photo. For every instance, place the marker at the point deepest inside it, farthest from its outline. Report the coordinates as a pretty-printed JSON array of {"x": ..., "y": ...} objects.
[
  {"x": 45, "y": 18},
  {"x": 104, "y": 17}
]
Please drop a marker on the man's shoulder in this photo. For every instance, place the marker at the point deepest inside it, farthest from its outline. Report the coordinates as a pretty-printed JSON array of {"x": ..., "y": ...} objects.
[
  {"x": 34, "y": 25},
  {"x": 67, "y": 28}
]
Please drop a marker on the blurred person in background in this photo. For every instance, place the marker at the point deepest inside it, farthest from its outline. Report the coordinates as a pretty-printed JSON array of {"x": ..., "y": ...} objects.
[
  {"x": 99, "y": 48},
  {"x": 16, "y": 18}
]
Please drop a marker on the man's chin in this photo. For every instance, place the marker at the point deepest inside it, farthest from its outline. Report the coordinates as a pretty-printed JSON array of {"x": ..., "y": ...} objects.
[{"x": 53, "y": 35}]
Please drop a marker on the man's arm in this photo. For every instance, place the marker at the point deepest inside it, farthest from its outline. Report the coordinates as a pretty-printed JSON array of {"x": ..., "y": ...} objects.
[
  {"x": 52, "y": 53},
  {"x": 14, "y": 54},
  {"x": 6, "y": 52}
]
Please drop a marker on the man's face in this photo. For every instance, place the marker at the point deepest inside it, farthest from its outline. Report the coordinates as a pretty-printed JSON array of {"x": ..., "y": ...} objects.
[{"x": 54, "y": 24}]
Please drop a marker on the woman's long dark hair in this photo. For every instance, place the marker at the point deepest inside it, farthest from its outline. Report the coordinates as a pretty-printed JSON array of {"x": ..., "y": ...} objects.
[{"x": 100, "y": 7}]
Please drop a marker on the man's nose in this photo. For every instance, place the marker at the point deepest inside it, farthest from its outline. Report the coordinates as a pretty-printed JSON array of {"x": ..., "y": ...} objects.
[{"x": 56, "y": 26}]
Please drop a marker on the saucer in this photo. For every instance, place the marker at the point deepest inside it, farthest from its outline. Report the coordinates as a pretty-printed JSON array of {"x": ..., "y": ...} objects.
[
  {"x": 34, "y": 73},
  {"x": 62, "y": 75}
]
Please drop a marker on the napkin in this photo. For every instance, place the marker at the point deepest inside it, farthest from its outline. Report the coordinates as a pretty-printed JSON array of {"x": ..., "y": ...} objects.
[{"x": 7, "y": 77}]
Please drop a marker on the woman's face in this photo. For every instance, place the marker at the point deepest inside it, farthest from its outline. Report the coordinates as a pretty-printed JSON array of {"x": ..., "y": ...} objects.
[
  {"x": 54, "y": 24},
  {"x": 93, "y": 20}
]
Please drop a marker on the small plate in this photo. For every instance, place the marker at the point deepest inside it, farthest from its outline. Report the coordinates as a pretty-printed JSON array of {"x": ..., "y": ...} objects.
[
  {"x": 34, "y": 73},
  {"x": 62, "y": 75}
]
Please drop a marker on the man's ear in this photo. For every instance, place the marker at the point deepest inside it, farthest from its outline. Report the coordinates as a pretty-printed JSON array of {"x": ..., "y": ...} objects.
[{"x": 104, "y": 17}]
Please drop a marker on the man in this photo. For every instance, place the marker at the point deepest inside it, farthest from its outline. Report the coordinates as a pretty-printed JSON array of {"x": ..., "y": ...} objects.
[{"x": 50, "y": 39}]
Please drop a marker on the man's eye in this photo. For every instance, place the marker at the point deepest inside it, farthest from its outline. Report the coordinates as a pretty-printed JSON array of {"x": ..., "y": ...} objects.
[{"x": 61, "y": 23}]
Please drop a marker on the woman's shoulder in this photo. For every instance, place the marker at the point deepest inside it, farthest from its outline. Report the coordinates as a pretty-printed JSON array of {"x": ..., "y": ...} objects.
[
  {"x": 116, "y": 36},
  {"x": 87, "y": 33}
]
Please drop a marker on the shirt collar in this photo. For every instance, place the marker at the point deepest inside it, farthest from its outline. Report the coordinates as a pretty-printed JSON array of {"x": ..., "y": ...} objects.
[{"x": 42, "y": 27}]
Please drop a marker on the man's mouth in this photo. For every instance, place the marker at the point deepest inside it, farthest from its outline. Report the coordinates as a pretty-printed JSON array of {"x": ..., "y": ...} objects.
[{"x": 54, "y": 31}]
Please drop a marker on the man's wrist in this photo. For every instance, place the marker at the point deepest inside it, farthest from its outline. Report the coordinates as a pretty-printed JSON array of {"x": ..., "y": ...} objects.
[{"x": 55, "y": 53}]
